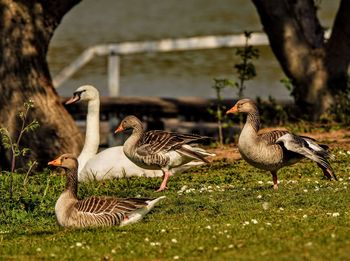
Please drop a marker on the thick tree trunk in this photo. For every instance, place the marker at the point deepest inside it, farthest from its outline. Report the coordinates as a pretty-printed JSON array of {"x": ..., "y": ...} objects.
[
  {"x": 297, "y": 39},
  {"x": 26, "y": 28}
]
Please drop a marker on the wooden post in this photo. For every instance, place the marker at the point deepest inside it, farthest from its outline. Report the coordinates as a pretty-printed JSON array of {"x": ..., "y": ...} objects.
[{"x": 113, "y": 74}]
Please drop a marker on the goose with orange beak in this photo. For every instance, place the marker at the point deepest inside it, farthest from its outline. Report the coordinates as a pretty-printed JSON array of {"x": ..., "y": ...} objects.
[
  {"x": 95, "y": 211},
  {"x": 276, "y": 149},
  {"x": 159, "y": 149}
]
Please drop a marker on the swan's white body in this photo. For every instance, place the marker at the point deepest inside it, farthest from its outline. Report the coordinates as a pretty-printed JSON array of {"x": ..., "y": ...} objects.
[{"x": 112, "y": 162}]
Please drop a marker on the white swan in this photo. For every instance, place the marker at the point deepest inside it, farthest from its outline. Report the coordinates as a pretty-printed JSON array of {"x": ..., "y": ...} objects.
[{"x": 111, "y": 162}]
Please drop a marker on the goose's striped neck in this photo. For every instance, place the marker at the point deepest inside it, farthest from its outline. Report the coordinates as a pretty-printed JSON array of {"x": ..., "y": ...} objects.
[
  {"x": 131, "y": 142},
  {"x": 72, "y": 181},
  {"x": 253, "y": 119}
]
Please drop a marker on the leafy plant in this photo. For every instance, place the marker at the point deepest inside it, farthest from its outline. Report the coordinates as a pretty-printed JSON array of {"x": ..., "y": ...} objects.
[
  {"x": 13, "y": 144},
  {"x": 340, "y": 111},
  {"x": 245, "y": 69},
  {"x": 219, "y": 86}
]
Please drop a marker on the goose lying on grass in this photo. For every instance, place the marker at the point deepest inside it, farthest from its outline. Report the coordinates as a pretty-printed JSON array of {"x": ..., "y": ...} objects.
[
  {"x": 276, "y": 149},
  {"x": 95, "y": 211},
  {"x": 160, "y": 149},
  {"x": 111, "y": 162}
]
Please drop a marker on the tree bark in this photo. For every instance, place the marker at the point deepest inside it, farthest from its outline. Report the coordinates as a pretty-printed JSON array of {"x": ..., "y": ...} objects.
[
  {"x": 26, "y": 29},
  {"x": 297, "y": 39}
]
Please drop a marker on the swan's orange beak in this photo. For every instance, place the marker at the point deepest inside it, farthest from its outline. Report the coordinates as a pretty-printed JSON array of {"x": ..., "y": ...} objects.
[
  {"x": 56, "y": 162},
  {"x": 74, "y": 99},
  {"x": 234, "y": 109},
  {"x": 119, "y": 129}
]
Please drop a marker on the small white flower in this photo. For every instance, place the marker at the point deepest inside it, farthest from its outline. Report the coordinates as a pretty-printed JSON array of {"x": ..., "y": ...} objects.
[
  {"x": 335, "y": 214},
  {"x": 259, "y": 196},
  {"x": 340, "y": 179},
  {"x": 254, "y": 221},
  {"x": 228, "y": 224},
  {"x": 38, "y": 249},
  {"x": 305, "y": 190},
  {"x": 230, "y": 246},
  {"x": 183, "y": 188},
  {"x": 268, "y": 224},
  {"x": 308, "y": 244},
  {"x": 146, "y": 239},
  {"x": 200, "y": 248},
  {"x": 113, "y": 251},
  {"x": 216, "y": 248},
  {"x": 208, "y": 227},
  {"x": 152, "y": 243},
  {"x": 265, "y": 205},
  {"x": 174, "y": 240},
  {"x": 245, "y": 223},
  {"x": 304, "y": 216},
  {"x": 163, "y": 230},
  {"x": 281, "y": 209},
  {"x": 260, "y": 182},
  {"x": 176, "y": 257},
  {"x": 78, "y": 244}
]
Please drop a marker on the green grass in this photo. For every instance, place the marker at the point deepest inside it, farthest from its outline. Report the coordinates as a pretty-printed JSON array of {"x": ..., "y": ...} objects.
[{"x": 227, "y": 212}]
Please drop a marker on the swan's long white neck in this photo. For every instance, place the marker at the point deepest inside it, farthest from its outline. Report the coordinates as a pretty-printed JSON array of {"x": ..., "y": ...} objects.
[{"x": 92, "y": 135}]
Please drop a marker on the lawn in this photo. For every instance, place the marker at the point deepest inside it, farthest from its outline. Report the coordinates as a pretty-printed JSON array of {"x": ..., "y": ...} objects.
[{"x": 222, "y": 211}]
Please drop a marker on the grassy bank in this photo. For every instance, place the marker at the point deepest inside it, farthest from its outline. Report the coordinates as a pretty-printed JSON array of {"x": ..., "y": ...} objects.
[{"x": 225, "y": 211}]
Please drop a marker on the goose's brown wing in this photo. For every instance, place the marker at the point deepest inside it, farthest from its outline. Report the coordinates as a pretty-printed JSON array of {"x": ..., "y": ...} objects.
[
  {"x": 271, "y": 136},
  {"x": 153, "y": 142},
  {"x": 108, "y": 210}
]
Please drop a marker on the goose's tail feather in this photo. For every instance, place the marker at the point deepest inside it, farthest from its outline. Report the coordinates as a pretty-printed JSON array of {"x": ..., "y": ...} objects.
[{"x": 139, "y": 213}]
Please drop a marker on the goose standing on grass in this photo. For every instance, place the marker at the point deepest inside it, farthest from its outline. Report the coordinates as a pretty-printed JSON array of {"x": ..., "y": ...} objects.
[
  {"x": 111, "y": 162},
  {"x": 160, "y": 149},
  {"x": 95, "y": 211},
  {"x": 276, "y": 149}
]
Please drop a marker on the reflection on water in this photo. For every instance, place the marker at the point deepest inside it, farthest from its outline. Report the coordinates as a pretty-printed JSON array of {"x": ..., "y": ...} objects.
[{"x": 166, "y": 74}]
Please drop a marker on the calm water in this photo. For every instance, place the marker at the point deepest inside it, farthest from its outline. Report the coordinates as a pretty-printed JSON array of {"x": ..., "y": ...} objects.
[{"x": 168, "y": 74}]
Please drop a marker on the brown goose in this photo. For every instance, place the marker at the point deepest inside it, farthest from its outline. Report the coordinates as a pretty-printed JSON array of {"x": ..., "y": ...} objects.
[
  {"x": 276, "y": 149},
  {"x": 94, "y": 211},
  {"x": 160, "y": 149}
]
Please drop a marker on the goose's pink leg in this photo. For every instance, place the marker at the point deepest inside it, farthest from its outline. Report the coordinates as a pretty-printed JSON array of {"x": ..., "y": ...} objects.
[
  {"x": 163, "y": 186},
  {"x": 274, "y": 178}
]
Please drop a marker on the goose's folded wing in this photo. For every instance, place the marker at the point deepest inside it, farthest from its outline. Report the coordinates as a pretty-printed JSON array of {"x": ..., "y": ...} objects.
[
  {"x": 153, "y": 142},
  {"x": 97, "y": 205},
  {"x": 272, "y": 136}
]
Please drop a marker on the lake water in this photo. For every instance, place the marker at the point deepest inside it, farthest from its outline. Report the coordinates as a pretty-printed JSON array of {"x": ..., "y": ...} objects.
[{"x": 189, "y": 73}]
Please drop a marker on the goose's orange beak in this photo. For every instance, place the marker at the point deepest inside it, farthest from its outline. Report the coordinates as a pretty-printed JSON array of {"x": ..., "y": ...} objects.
[
  {"x": 56, "y": 162},
  {"x": 119, "y": 129},
  {"x": 74, "y": 99},
  {"x": 234, "y": 109}
]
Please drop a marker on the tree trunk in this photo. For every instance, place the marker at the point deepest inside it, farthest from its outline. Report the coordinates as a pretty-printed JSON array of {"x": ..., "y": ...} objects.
[
  {"x": 297, "y": 39},
  {"x": 26, "y": 29}
]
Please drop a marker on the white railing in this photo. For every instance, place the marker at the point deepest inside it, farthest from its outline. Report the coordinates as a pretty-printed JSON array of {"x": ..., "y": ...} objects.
[{"x": 114, "y": 51}]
